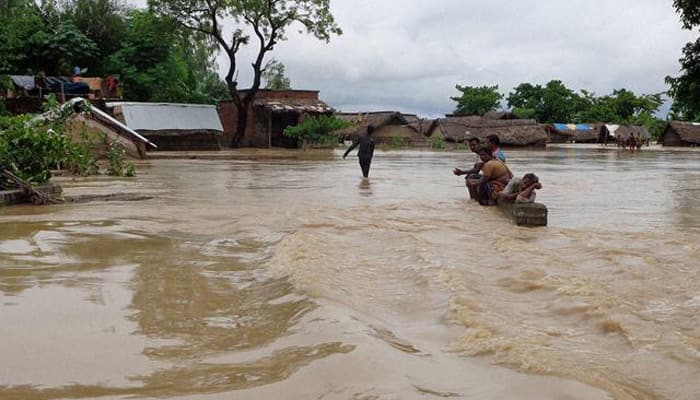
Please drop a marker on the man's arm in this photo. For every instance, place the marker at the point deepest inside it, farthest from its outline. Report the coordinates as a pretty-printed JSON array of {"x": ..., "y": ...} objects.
[
  {"x": 474, "y": 170},
  {"x": 527, "y": 192},
  {"x": 351, "y": 148}
]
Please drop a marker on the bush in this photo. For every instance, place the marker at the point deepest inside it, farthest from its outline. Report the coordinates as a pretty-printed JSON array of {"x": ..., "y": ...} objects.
[
  {"x": 316, "y": 130},
  {"x": 31, "y": 150},
  {"x": 397, "y": 142},
  {"x": 115, "y": 156},
  {"x": 437, "y": 142}
]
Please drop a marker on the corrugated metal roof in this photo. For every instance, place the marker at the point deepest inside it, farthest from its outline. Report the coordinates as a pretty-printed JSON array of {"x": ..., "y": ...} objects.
[{"x": 169, "y": 116}]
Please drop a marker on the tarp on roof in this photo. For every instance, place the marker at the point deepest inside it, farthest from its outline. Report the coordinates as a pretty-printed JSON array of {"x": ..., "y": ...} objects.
[
  {"x": 573, "y": 127},
  {"x": 169, "y": 116},
  {"x": 26, "y": 82},
  {"x": 612, "y": 129}
]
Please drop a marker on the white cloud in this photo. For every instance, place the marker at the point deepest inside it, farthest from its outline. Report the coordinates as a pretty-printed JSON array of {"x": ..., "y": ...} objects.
[{"x": 409, "y": 55}]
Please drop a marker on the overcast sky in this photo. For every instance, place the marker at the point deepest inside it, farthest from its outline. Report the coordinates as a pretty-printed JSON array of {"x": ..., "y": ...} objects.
[{"x": 409, "y": 55}]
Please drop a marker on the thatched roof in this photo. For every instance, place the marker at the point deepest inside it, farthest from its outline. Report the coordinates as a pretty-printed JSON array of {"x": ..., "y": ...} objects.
[
  {"x": 514, "y": 132},
  {"x": 361, "y": 121},
  {"x": 625, "y": 131},
  {"x": 500, "y": 115},
  {"x": 577, "y": 132},
  {"x": 688, "y": 131}
]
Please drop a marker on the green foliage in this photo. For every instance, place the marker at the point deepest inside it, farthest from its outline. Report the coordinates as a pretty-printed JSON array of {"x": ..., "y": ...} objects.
[
  {"x": 274, "y": 76},
  {"x": 316, "y": 129},
  {"x": 551, "y": 103},
  {"x": 5, "y": 83},
  {"x": 397, "y": 142},
  {"x": 437, "y": 142},
  {"x": 101, "y": 21},
  {"x": 116, "y": 158},
  {"x": 31, "y": 150},
  {"x": 157, "y": 63},
  {"x": 689, "y": 11},
  {"x": 622, "y": 106},
  {"x": 685, "y": 89},
  {"x": 477, "y": 100}
]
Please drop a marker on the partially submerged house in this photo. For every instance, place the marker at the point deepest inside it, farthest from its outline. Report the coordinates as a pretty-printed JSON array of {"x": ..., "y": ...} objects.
[
  {"x": 172, "y": 126},
  {"x": 390, "y": 127},
  {"x": 609, "y": 133},
  {"x": 271, "y": 112},
  {"x": 95, "y": 128},
  {"x": 513, "y": 132},
  {"x": 576, "y": 133},
  {"x": 679, "y": 133}
]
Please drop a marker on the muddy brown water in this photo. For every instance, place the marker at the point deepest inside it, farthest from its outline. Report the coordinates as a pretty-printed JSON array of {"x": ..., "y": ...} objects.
[{"x": 263, "y": 275}]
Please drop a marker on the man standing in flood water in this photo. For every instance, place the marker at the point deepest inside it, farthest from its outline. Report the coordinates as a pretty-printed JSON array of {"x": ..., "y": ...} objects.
[{"x": 365, "y": 152}]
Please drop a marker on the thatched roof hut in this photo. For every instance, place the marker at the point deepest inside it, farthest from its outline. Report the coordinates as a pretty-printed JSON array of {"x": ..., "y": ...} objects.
[
  {"x": 514, "y": 132},
  {"x": 577, "y": 133},
  {"x": 638, "y": 131},
  {"x": 390, "y": 127},
  {"x": 679, "y": 133}
]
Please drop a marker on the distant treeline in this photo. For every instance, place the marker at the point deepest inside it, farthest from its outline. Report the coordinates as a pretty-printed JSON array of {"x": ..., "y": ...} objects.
[{"x": 554, "y": 102}]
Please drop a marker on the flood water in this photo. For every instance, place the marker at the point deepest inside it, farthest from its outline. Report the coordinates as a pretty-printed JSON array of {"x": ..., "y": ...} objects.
[{"x": 281, "y": 275}]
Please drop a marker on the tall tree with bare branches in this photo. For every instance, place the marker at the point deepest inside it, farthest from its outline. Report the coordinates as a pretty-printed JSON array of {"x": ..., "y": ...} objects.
[{"x": 266, "y": 21}]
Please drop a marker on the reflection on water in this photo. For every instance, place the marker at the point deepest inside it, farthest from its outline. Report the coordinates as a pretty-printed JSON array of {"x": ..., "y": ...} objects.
[{"x": 278, "y": 275}]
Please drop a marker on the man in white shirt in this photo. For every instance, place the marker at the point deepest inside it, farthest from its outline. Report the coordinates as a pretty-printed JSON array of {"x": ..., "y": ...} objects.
[{"x": 521, "y": 190}]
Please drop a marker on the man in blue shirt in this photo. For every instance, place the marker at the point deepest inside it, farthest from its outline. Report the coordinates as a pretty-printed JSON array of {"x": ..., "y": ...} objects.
[{"x": 494, "y": 144}]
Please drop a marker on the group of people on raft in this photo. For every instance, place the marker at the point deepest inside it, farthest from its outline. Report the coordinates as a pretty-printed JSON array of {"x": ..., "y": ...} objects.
[{"x": 490, "y": 180}]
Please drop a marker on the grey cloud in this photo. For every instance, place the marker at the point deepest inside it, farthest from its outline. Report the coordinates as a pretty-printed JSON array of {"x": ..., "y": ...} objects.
[{"x": 409, "y": 55}]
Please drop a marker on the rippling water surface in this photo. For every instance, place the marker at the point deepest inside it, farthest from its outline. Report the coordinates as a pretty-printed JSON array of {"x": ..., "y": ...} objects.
[{"x": 264, "y": 275}]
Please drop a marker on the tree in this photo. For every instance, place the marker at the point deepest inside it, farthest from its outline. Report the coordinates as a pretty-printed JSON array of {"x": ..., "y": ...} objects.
[
  {"x": 103, "y": 22},
  {"x": 316, "y": 129},
  {"x": 37, "y": 38},
  {"x": 552, "y": 103},
  {"x": 685, "y": 89},
  {"x": 157, "y": 62},
  {"x": 267, "y": 19},
  {"x": 477, "y": 100},
  {"x": 689, "y": 11},
  {"x": 274, "y": 76}
]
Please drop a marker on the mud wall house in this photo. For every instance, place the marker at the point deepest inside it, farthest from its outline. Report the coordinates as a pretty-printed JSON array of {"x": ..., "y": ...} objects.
[
  {"x": 679, "y": 133},
  {"x": 271, "y": 112},
  {"x": 512, "y": 133},
  {"x": 172, "y": 126},
  {"x": 390, "y": 127}
]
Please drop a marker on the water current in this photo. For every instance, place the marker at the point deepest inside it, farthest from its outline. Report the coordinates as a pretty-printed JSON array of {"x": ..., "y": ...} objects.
[{"x": 283, "y": 275}]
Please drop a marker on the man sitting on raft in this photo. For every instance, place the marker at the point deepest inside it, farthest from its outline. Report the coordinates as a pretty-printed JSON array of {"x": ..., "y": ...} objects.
[
  {"x": 495, "y": 177},
  {"x": 521, "y": 190}
]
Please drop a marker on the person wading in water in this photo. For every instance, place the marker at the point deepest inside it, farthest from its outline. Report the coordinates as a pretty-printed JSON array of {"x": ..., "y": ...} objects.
[{"x": 365, "y": 152}]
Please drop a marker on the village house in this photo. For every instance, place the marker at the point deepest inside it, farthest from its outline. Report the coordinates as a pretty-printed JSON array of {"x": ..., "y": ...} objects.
[
  {"x": 511, "y": 132},
  {"x": 611, "y": 133},
  {"x": 172, "y": 126},
  {"x": 390, "y": 127},
  {"x": 96, "y": 129},
  {"x": 679, "y": 133},
  {"x": 271, "y": 112},
  {"x": 576, "y": 133}
]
